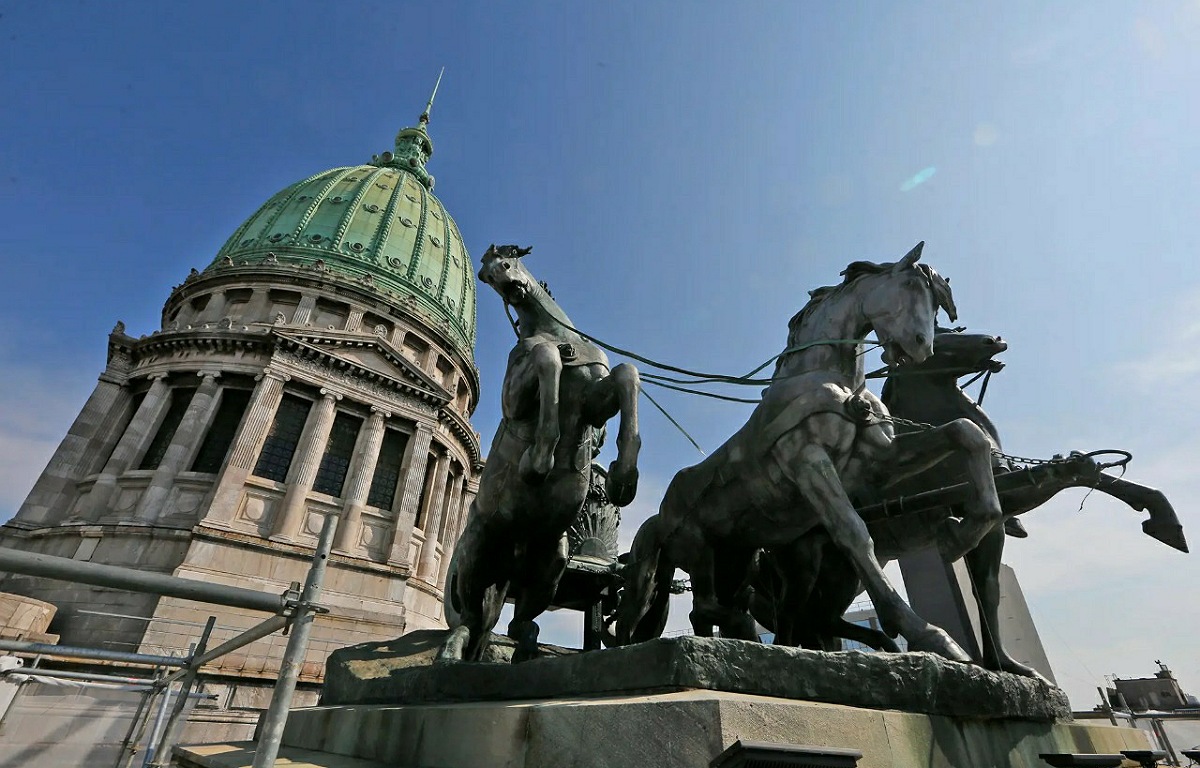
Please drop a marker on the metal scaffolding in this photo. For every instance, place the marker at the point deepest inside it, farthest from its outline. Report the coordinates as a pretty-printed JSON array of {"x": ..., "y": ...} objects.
[{"x": 295, "y": 608}]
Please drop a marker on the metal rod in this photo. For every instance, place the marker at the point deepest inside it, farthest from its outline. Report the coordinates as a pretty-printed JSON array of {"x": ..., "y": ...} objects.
[
  {"x": 96, "y": 654},
  {"x": 116, "y": 577},
  {"x": 174, "y": 722},
  {"x": 143, "y": 724},
  {"x": 158, "y": 718},
  {"x": 272, "y": 723},
  {"x": 257, "y": 632},
  {"x": 133, "y": 724},
  {"x": 148, "y": 619},
  {"x": 89, "y": 676}
]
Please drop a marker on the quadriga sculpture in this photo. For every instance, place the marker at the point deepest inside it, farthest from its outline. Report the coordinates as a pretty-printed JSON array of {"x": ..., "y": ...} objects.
[
  {"x": 815, "y": 442},
  {"x": 557, "y": 390},
  {"x": 801, "y": 591}
]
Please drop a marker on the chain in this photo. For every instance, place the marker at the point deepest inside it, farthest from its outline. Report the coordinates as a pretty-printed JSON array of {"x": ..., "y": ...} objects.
[{"x": 1025, "y": 460}]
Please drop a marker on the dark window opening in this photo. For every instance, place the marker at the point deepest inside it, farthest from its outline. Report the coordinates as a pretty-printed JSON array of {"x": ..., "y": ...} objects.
[
  {"x": 280, "y": 445},
  {"x": 220, "y": 434},
  {"x": 180, "y": 399},
  {"x": 331, "y": 475},
  {"x": 422, "y": 506},
  {"x": 387, "y": 470}
]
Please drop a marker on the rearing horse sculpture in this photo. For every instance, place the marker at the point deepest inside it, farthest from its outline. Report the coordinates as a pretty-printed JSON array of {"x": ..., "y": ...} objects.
[
  {"x": 802, "y": 591},
  {"x": 557, "y": 390},
  {"x": 817, "y": 439}
]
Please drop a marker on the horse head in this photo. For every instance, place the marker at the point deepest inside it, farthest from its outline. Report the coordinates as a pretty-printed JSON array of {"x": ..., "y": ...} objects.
[
  {"x": 503, "y": 270},
  {"x": 956, "y": 353},
  {"x": 901, "y": 301}
]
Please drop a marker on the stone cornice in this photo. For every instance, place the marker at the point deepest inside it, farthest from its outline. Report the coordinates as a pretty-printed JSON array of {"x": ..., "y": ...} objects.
[
  {"x": 462, "y": 429},
  {"x": 406, "y": 308},
  {"x": 408, "y": 380}
]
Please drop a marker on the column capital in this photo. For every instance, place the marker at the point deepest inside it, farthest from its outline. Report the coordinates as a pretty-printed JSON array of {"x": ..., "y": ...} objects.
[
  {"x": 156, "y": 376},
  {"x": 330, "y": 395},
  {"x": 209, "y": 375},
  {"x": 271, "y": 373},
  {"x": 380, "y": 413}
]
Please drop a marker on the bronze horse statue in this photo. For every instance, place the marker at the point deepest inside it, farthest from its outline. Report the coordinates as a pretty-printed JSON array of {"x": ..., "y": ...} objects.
[
  {"x": 558, "y": 390},
  {"x": 803, "y": 590},
  {"x": 815, "y": 443}
]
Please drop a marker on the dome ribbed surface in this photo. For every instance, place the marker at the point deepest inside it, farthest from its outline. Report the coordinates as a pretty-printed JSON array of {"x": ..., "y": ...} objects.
[{"x": 369, "y": 220}]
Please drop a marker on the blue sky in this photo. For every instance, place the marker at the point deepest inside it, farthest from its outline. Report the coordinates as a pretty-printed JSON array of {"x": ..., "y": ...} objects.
[{"x": 685, "y": 173}]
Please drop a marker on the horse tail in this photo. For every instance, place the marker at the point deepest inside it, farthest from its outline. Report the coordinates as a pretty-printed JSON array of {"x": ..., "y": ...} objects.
[{"x": 642, "y": 612}]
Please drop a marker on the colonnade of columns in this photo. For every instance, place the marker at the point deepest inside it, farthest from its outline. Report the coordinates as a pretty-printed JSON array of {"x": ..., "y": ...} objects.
[
  {"x": 433, "y": 487},
  {"x": 433, "y": 495}
]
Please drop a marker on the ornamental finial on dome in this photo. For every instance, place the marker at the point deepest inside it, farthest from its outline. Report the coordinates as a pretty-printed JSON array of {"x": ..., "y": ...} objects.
[
  {"x": 413, "y": 145},
  {"x": 424, "y": 119}
]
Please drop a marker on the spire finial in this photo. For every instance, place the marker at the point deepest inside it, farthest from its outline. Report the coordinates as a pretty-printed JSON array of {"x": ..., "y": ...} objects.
[{"x": 429, "y": 106}]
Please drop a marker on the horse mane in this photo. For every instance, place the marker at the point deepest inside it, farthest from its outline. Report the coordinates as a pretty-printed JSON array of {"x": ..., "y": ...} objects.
[{"x": 859, "y": 269}]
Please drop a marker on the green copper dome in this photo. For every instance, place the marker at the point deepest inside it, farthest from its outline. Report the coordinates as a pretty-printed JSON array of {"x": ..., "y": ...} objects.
[{"x": 377, "y": 223}]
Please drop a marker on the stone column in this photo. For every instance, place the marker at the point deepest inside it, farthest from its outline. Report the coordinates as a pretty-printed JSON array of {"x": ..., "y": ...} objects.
[
  {"x": 304, "y": 310},
  {"x": 256, "y": 309},
  {"x": 127, "y": 448},
  {"x": 359, "y": 482},
  {"x": 304, "y": 468},
  {"x": 183, "y": 444},
  {"x": 464, "y": 512},
  {"x": 447, "y": 538},
  {"x": 434, "y": 506},
  {"x": 398, "y": 335},
  {"x": 47, "y": 502},
  {"x": 354, "y": 321},
  {"x": 247, "y": 444},
  {"x": 214, "y": 310},
  {"x": 412, "y": 475}
]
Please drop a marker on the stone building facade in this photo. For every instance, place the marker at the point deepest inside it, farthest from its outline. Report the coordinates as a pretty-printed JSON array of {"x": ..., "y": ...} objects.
[{"x": 322, "y": 364}]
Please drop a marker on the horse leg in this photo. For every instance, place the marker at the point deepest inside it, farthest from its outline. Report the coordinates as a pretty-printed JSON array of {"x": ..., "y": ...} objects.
[
  {"x": 538, "y": 459},
  {"x": 472, "y": 597},
  {"x": 613, "y": 394},
  {"x": 800, "y": 572},
  {"x": 735, "y": 574},
  {"x": 816, "y": 478},
  {"x": 865, "y": 635},
  {"x": 542, "y": 569},
  {"x": 983, "y": 565},
  {"x": 707, "y": 610},
  {"x": 914, "y": 452}
]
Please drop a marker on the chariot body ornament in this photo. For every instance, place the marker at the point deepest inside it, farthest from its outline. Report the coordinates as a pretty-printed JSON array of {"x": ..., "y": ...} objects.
[{"x": 558, "y": 390}]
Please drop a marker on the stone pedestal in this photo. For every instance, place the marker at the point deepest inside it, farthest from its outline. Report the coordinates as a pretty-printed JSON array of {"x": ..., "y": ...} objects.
[{"x": 674, "y": 703}]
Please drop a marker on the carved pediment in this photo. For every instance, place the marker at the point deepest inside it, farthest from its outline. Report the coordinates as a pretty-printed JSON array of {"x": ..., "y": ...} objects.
[{"x": 373, "y": 358}]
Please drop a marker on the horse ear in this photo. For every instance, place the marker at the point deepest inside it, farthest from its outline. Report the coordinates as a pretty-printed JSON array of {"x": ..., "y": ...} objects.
[
  {"x": 491, "y": 251},
  {"x": 911, "y": 257}
]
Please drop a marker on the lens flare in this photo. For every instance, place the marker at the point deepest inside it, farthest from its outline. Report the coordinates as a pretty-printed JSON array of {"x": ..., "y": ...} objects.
[{"x": 918, "y": 178}]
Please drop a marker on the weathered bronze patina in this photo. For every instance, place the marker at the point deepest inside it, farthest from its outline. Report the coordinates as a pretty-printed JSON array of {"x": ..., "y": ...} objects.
[
  {"x": 802, "y": 590},
  {"x": 557, "y": 390}
]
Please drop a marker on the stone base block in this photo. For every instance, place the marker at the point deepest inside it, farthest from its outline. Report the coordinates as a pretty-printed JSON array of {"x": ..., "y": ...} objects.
[
  {"x": 671, "y": 730},
  {"x": 400, "y": 672}
]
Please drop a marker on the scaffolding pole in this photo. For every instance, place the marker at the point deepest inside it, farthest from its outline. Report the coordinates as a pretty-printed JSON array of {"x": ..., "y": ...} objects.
[
  {"x": 91, "y": 654},
  {"x": 133, "y": 580},
  {"x": 174, "y": 725},
  {"x": 272, "y": 724}
]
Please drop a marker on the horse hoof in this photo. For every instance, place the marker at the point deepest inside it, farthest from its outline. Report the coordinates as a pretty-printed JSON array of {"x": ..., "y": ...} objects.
[
  {"x": 935, "y": 640},
  {"x": 1014, "y": 667},
  {"x": 621, "y": 484}
]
